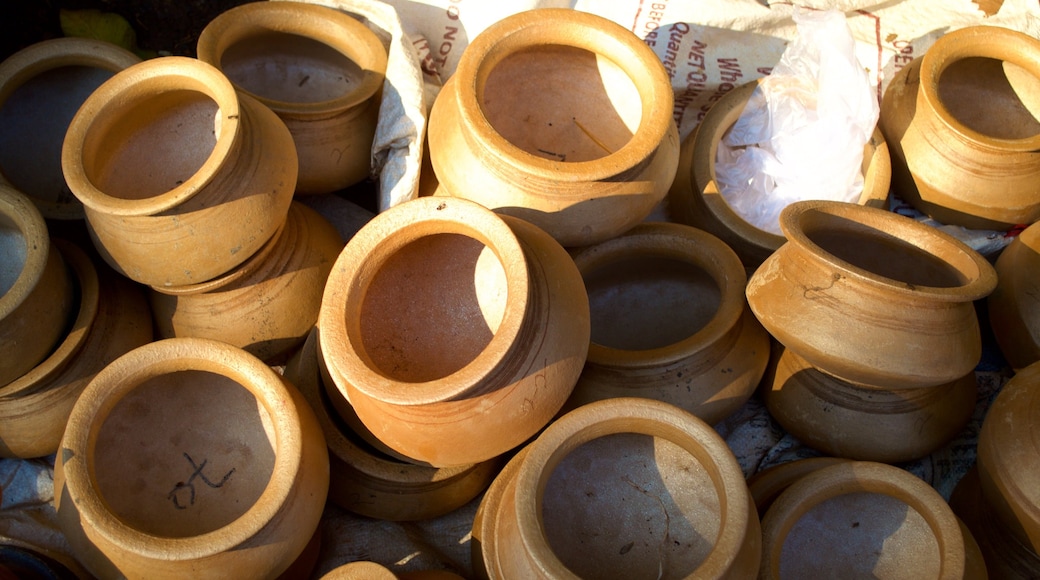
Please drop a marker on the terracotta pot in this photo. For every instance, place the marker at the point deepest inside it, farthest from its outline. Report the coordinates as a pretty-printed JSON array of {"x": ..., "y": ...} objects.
[
  {"x": 561, "y": 118},
  {"x": 847, "y": 420},
  {"x": 319, "y": 69},
  {"x": 962, "y": 122},
  {"x": 360, "y": 570},
  {"x": 36, "y": 289},
  {"x": 112, "y": 318},
  {"x": 41, "y": 87},
  {"x": 861, "y": 519},
  {"x": 873, "y": 297},
  {"x": 1014, "y": 305},
  {"x": 670, "y": 322},
  {"x": 369, "y": 483},
  {"x": 620, "y": 488},
  {"x": 268, "y": 304},
  {"x": 455, "y": 333},
  {"x": 182, "y": 179},
  {"x": 1005, "y": 556},
  {"x": 695, "y": 199},
  {"x": 1009, "y": 457},
  {"x": 190, "y": 457}
]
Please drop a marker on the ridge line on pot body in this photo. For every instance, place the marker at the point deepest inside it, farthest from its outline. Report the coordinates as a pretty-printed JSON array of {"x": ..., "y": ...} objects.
[
  {"x": 550, "y": 192},
  {"x": 947, "y": 169},
  {"x": 902, "y": 316}
]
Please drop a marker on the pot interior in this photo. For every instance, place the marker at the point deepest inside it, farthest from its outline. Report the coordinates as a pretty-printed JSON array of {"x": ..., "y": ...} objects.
[
  {"x": 12, "y": 253},
  {"x": 432, "y": 307},
  {"x": 647, "y": 302},
  {"x": 290, "y": 68},
  {"x": 885, "y": 254},
  {"x": 35, "y": 118},
  {"x": 861, "y": 535},
  {"x": 993, "y": 97},
  {"x": 561, "y": 103},
  {"x": 628, "y": 505},
  {"x": 184, "y": 454},
  {"x": 152, "y": 146}
]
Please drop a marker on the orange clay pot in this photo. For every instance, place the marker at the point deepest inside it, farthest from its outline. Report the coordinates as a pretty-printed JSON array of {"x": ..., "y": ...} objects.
[
  {"x": 1006, "y": 557},
  {"x": 670, "y": 322},
  {"x": 320, "y": 70},
  {"x": 181, "y": 177},
  {"x": 455, "y": 333},
  {"x": 190, "y": 457},
  {"x": 41, "y": 88},
  {"x": 1014, "y": 305},
  {"x": 561, "y": 118}
]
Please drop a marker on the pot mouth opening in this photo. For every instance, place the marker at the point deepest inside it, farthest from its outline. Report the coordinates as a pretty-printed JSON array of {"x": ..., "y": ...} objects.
[
  {"x": 296, "y": 58},
  {"x": 187, "y": 449},
  {"x": 564, "y": 95},
  {"x": 151, "y": 136},
  {"x": 654, "y": 459},
  {"x": 986, "y": 89},
  {"x": 25, "y": 248},
  {"x": 888, "y": 249},
  {"x": 429, "y": 303}
]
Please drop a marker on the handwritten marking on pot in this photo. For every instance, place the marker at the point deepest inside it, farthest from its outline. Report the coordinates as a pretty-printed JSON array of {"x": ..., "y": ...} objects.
[{"x": 180, "y": 485}]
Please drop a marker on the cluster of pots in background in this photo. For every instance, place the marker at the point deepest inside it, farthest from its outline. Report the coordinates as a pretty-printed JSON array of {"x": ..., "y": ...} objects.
[{"x": 521, "y": 333}]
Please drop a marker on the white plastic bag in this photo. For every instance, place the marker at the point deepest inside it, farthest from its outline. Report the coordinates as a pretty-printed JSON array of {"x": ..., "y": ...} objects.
[{"x": 802, "y": 133}]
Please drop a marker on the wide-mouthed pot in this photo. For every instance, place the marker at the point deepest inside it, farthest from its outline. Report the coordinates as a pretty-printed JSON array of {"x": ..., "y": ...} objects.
[{"x": 1014, "y": 305}]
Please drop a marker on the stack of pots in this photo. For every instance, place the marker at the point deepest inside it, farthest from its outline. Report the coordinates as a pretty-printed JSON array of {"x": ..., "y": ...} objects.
[{"x": 877, "y": 332}]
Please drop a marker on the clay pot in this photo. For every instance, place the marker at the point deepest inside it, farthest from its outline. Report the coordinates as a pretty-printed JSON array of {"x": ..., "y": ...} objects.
[
  {"x": 41, "y": 87},
  {"x": 962, "y": 123},
  {"x": 670, "y": 322},
  {"x": 370, "y": 483},
  {"x": 1009, "y": 456},
  {"x": 111, "y": 319},
  {"x": 268, "y": 304},
  {"x": 872, "y": 297},
  {"x": 190, "y": 457},
  {"x": 319, "y": 69},
  {"x": 360, "y": 570},
  {"x": 767, "y": 485},
  {"x": 861, "y": 519},
  {"x": 36, "y": 289},
  {"x": 619, "y": 488},
  {"x": 561, "y": 118},
  {"x": 847, "y": 420},
  {"x": 1014, "y": 305},
  {"x": 1005, "y": 556},
  {"x": 181, "y": 178},
  {"x": 455, "y": 333},
  {"x": 695, "y": 199}
]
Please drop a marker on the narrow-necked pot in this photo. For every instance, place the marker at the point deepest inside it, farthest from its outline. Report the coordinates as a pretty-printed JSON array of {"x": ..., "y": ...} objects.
[
  {"x": 963, "y": 124},
  {"x": 873, "y": 297},
  {"x": 111, "y": 319},
  {"x": 41, "y": 88},
  {"x": 455, "y": 333},
  {"x": 849, "y": 420},
  {"x": 1014, "y": 305},
  {"x": 37, "y": 291},
  {"x": 619, "y": 488},
  {"x": 559, "y": 117},
  {"x": 190, "y": 457},
  {"x": 373, "y": 484},
  {"x": 319, "y": 69},
  {"x": 695, "y": 199},
  {"x": 266, "y": 305},
  {"x": 670, "y": 322},
  {"x": 181, "y": 178},
  {"x": 861, "y": 518}
]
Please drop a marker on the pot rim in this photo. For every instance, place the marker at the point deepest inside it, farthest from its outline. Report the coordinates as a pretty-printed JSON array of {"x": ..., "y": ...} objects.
[
  {"x": 639, "y": 416},
  {"x": 331, "y": 27},
  {"x": 359, "y": 263},
  {"x": 980, "y": 278},
  {"x": 123, "y": 92},
  {"x": 576, "y": 29},
  {"x": 994, "y": 42},
  {"x": 126, "y": 373},
  {"x": 17, "y": 208},
  {"x": 848, "y": 477},
  {"x": 54, "y": 53},
  {"x": 682, "y": 243}
]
